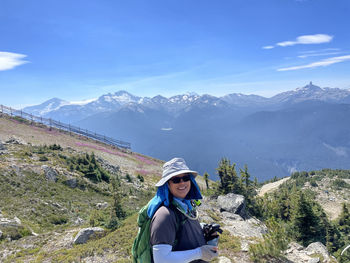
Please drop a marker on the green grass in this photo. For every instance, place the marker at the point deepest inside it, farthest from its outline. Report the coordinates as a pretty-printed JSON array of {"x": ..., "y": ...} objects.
[{"x": 45, "y": 206}]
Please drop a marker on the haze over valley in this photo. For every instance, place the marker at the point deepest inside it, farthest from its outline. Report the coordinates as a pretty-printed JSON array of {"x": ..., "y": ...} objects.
[{"x": 301, "y": 129}]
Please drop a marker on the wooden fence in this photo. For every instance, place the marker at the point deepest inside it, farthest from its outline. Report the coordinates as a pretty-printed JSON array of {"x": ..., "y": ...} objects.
[{"x": 65, "y": 127}]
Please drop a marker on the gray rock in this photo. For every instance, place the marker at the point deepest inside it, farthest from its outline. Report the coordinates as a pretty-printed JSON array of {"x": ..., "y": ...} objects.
[
  {"x": 2, "y": 146},
  {"x": 50, "y": 173},
  {"x": 103, "y": 205},
  {"x": 0, "y": 234},
  {"x": 246, "y": 229},
  {"x": 318, "y": 248},
  {"x": 71, "y": 182},
  {"x": 232, "y": 203},
  {"x": 297, "y": 253},
  {"x": 5, "y": 222},
  {"x": 314, "y": 260},
  {"x": 78, "y": 221},
  {"x": 15, "y": 140},
  {"x": 87, "y": 233},
  {"x": 231, "y": 216},
  {"x": 224, "y": 260}
]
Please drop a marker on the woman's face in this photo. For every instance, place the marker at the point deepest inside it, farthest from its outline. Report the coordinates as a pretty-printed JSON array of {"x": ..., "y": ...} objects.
[{"x": 181, "y": 189}]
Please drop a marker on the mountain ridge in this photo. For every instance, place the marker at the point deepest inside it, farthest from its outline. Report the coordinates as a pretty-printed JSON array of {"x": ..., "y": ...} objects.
[
  {"x": 122, "y": 98},
  {"x": 303, "y": 129}
]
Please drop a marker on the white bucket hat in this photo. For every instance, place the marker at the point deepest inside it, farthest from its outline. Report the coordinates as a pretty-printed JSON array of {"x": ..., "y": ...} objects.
[{"x": 174, "y": 167}]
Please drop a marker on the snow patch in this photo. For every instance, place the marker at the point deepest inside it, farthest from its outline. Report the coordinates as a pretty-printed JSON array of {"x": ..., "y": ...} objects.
[{"x": 81, "y": 102}]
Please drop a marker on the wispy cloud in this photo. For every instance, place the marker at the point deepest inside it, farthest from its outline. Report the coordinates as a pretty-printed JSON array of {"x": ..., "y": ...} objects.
[
  {"x": 268, "y": 47},
  {"x": 320, "y": 50},
  {"x": 9, "y": 60},
  {"x": 318, "y": 54},
  {"x": 304, "y": 40},
  {"x": 307, "y": 39},
  {"x": 321, "y": 63}
]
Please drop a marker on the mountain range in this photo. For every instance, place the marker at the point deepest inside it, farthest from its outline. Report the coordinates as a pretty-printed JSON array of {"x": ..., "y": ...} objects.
[{"x": 302, "y": 129}]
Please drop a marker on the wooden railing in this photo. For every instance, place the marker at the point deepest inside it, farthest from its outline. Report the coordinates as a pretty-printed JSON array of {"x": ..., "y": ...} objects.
[{"x": 66, "y": 127}]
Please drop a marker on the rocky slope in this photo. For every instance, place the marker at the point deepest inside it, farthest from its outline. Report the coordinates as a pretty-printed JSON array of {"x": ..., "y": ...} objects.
[{"x": 48, "y": 204}]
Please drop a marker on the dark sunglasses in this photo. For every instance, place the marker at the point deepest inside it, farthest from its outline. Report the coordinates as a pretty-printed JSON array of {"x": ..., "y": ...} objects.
[{"x": 185, "y": 178}]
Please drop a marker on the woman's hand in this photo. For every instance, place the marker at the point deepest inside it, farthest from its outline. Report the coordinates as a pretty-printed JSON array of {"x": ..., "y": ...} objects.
[{"x": 209, "y": 252}]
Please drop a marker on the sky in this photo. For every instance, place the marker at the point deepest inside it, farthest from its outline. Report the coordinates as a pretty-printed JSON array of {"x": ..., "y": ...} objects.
[{"x": 79, "y": 50}]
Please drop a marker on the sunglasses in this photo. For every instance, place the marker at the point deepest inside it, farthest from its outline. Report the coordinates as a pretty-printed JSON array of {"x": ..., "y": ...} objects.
[{"x": 185, "y": 178}]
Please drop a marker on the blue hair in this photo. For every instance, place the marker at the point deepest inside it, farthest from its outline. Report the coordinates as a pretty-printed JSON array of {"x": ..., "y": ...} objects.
[{"x": 162, "y": 197}]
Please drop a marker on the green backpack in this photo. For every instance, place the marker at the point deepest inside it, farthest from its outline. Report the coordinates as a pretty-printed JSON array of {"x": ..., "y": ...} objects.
[{"x": 142, "y": 249}]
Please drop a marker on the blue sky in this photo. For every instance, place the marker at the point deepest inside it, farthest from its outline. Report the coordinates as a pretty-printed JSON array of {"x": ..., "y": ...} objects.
[{"x": 77, "y": 50}]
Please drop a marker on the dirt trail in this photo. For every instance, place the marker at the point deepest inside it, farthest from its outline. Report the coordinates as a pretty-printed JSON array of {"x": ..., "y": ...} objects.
[{"x": 267, "y": 188}]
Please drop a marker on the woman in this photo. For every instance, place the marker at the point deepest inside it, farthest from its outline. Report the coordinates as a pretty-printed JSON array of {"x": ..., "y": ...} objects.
[{"x": 170, "y": 242}]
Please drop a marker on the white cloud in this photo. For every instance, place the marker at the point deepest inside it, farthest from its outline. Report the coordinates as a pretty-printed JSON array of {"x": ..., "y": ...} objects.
[
  {"x": 307, "y": 39},
  {"x": 321, "y": 63},
  {"x": 318, "y": 54},
  {"x": 268, "y": 47},
  {"x": 320, "y": 50},
  {"x": 9, "y": 60}
]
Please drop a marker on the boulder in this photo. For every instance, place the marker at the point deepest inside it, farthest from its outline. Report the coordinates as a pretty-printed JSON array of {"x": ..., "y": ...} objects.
[
  {"x": 87, "y": 233},
  {"x": 245, "y": 229},
  {"x": 318, "y": 248},
  {"x": 103, "y": 205},
  {"x": 298, "y": 254},
  {"x": 224, "y": 260},
  {"x": 15, "y": 140},
  {"x": 71, "y": 182},
  {"x": 78, "y": 221},
  {"x": 5, "y": 222},
  {"x": 231, "y": 216},
  {"x": 2, "y": 146},
  {"x": 0, "y": 234},
  {"x": 50, "y": 173},
  {"x": 232, "y": 203}
]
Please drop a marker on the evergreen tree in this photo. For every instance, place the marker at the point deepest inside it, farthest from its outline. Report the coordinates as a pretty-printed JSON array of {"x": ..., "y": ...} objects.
[
  {"x": 344, "y": 221},
  {"x": 305, "y": 222},
  {"x": 118, "y": 210},
  {"x": 206, "y": 178}
]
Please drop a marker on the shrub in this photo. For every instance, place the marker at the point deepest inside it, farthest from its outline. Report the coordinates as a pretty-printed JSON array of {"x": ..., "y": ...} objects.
[
  {"x": 55, "y": 147},
  {"x": 128, "y": 178},
  {"x": 273, "y": 243},
  {"x": 339, "y": 184},
  {"x": 140, "y": 177},
  {"x": 15, "y": 233},
  {"x": 43, "y": 159},
  {"x": 58, "y": 219}
]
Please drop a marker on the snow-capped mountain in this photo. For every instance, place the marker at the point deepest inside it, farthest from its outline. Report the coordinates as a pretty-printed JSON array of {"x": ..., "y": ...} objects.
[
  {"x": 46, "y": 107},
  {"x": 294, "y": 130},
  {"x": 239, "y": 99},
  {"x": 311, "y": 92},
  {"x": 113, "y": 102}
]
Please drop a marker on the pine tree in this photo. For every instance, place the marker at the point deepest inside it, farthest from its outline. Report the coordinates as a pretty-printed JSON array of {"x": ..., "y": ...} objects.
[
  {"x": 305, "y": 222},
  {"x": 206, "y": 178},
  {"x": 118, "y": 210},
  {"x": 344, "y": 221}
]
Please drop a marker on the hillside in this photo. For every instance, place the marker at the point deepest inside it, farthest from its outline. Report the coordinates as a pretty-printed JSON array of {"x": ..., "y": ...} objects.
[
  {"x": 331, "y": 189},
  {"x": 54, "y": 185}
]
